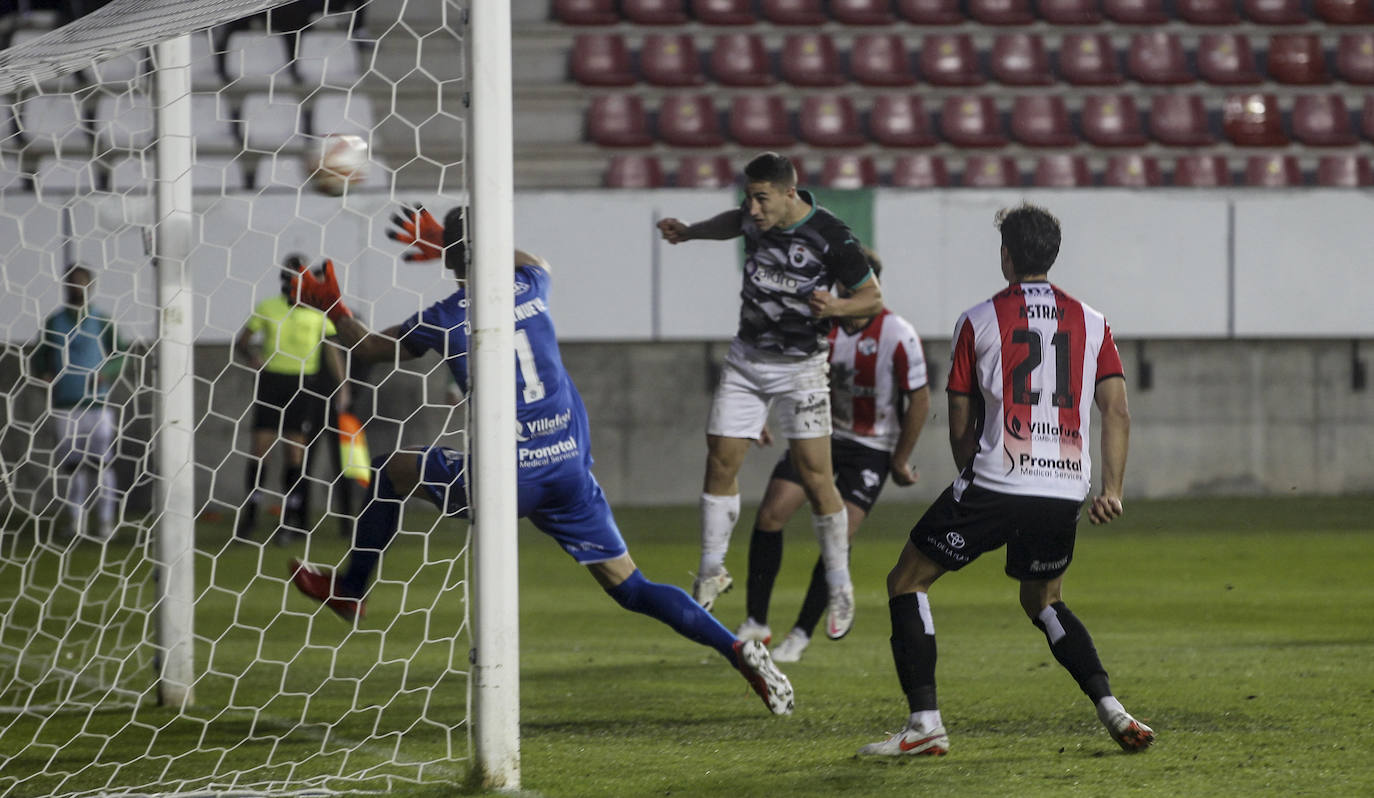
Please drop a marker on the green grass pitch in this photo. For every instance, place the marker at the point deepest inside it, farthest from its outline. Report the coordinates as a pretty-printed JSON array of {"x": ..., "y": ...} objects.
[{"x": 1242, "y": 630}]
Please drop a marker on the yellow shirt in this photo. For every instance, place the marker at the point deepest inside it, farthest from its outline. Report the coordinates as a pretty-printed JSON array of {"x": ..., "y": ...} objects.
[{"x": 291, "y": 335}]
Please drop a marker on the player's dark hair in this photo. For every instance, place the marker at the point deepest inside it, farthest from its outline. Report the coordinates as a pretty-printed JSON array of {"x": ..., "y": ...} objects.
[
  {"x": 456, "y": 240},
  {"x": 771, "y": 167},
  {"x": 73, "y": 269},
  {"x": 1031, "y": 235},
  {"x": 874, "y": 262}
]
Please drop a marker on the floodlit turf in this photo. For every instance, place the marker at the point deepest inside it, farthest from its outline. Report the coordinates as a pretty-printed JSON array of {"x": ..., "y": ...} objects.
[{"x": 1241, "y": 630}]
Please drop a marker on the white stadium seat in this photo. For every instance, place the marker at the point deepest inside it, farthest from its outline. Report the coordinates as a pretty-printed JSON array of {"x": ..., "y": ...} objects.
[
  {"x": 124, "y": 121},
  {"x": 51, "y": 121},
  {"x": 326, "y": 58},
  {"x": 341, "y": 113},
  {"x": 271, "y": 122},
  {"x": 256, "y": 57}
]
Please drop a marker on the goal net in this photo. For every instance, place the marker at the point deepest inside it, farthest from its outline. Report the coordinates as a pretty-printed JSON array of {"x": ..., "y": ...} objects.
[{"x": 153, "y": 486}]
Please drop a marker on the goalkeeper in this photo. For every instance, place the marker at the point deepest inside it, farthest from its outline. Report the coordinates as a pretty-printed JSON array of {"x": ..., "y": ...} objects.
[{"x": 556, "y": 490}]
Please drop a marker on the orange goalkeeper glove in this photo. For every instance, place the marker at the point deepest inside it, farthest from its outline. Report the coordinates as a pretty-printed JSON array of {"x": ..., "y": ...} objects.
[
  {"x": 320, "y": 292},
  {"x": 420, "y": 231}
]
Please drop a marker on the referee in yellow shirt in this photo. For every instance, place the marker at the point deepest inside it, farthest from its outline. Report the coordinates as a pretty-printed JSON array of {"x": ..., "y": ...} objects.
[{"x": 284, "y": 341}]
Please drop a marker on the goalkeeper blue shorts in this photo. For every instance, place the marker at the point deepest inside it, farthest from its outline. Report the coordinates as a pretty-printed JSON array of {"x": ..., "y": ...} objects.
[{"x": 567, "y": 504}]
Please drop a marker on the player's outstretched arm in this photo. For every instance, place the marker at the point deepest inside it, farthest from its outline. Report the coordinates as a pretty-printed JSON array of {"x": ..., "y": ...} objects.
[
  {"x": 721, "y": 227},
  {"x": 1110, "y": 398},
  {"x": 913, "y": 421},
  {"x": 322, "y": 292}
]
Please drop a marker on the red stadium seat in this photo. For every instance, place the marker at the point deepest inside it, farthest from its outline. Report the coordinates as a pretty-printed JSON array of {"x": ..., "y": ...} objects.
[
  {"x": 1207, "y": 12},
  {"x": 971, "y": 121},
  {"x": 900, "y": 120},
  {"x": 1297, "y": 59},
  {"x": 634, "y": 171},
  {"x": 1344, "y": 171},
  {"x": 724, "y": 12},
  {"x": 1355, "y": 58},
  {"x": 990, "y": 171},
  {"x": 931, "y": 12},
  {"x": 760, "y": 120},
  {"x": 1019, "y": 59},
  {"x": 689, "y": 120},
  {"x": 618, "y": 120},
  {"x": 740, "y": 59},
  {"x": 1275, "y": 12},
  {"x": 829, "y": 120},
  {"x": 848, "y": 171},
  {"x": 601, "y": 60},
  {"x": 1344, "y": 12},
  {"x": 1367, "y": 118},
  {"x": 811, "y": 59},
  {"x": 1112, "y": 121},
  {"x": 1070, "y": 12},
  {"x": 794, "y": 12},
  {"x": 1158, "y": 59},
  {"x": 950, "y": 60},
  {"x": 880, "y": 60},
  {"x": 1089, "y": 59},
  {"x": 1322, "y": 120},
  {"x": 1201, "y": 171},
  {"x": 585, "y": 12},
  {"x": 705, "y": 171},
  {"x": 1225, "y": 59},
  {"x": 1135, "y": 12},
  {"x": 1253, "y": 120},
  {"x": 655, "y": 12},
  {"x": 1180, "y": 120},
  {"x": 919, "y": 171},
  {"x": 1001, "y": 12},
  {"x": 1273, "y": 171},
  {"x": 862, "y": 12},
  {"x": 1062, "y": 170},
  {"x": 670, "y": 59},
  {"x": 1041, "y": 120},
  {"x": 1132, "y": 171}
]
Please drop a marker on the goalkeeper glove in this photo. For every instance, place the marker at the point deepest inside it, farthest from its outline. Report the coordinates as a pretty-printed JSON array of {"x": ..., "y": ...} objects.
[
  {"x": 320, "y": 292},
  {"x": 419, "y": 230}
]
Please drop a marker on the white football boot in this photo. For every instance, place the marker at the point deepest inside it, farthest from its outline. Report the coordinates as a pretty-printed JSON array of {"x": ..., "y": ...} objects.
[
  {"x": 753, "y": 630},
  {"x": 792, "y": 646},
  {"x": 754, "y": 663},
  {"x": 705, "y": 589},
  {"x": 911, "y": 741}
]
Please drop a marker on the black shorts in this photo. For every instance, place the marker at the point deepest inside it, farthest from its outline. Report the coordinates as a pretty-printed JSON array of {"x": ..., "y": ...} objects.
[
  {"x": 860, "y": 472},
  {"x": 1038, "y": 532},
  {"x": 289, "y": 403}
]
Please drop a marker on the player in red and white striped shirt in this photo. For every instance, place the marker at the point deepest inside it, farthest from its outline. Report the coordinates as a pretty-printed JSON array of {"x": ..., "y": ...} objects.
[{"x": 1027, "y": 366}]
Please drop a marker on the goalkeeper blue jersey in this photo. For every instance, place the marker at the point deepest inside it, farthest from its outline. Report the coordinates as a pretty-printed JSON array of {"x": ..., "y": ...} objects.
[{"x": 551, "y": 421}]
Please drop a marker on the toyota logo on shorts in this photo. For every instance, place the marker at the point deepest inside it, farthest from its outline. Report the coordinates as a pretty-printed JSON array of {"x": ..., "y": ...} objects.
[{"x": 955, "y": 539}]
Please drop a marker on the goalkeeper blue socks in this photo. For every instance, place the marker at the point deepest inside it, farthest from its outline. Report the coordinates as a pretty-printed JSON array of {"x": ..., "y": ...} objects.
[
  {"x": 377, "y": 525},
  {"x": 672, "y": 605}
]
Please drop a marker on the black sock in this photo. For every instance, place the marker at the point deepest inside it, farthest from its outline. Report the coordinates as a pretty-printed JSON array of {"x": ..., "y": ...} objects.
[
  {"x": 252, "y": 473},
  {"x": 293, "y": 491},
  {"x": 377, "y": 525},
  {"x": 913, "y": 652},
  {"x": 817, "y": 598},
  {"x": 1073, "y": 647},
  {"x": 765, "y": 559}
]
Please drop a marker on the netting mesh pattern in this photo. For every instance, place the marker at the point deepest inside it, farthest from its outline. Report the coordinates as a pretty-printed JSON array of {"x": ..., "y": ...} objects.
[{"x": 287, "y": 696}]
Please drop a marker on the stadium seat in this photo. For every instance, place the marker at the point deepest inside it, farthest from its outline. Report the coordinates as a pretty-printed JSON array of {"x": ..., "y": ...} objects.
[
  {"x": 1202, "y": 171},
  {"x": 1322, "y": 120},
  {"x": 971, "y": 121},
  {"x": 1070, "y": 12},
  {"x": 342, "y": 113},
  {"x": 1275, "y": 12},
  {"x": 950, "y": 60},
  {"x": 1225, "y": 59},
  {"x": 1112, "y": 120},
  {"x": 63, "y": 176},
  {"x": 256, "y": 58},
  {"x": 1367, "y": 118},
  {"x": 794, "y": 12},
  {"x": 990, "y": 171},
  {"x": 271, "y": 121},
  {"x": 1253, "y": 120},
  {"x": 900, "y": 120},
  {"x": 1135, "y": 12},
  {"x": 327, "y": 58},
  {"x": 880, "y": 60},
  {"x": 1001, "y": 12},
  {"x": 1089, "y": 59},
  {"x": 1273, "y": 171},
  {"x": 1344, "y": 171},
  {"x": 1207, "y": 12},
  {"x": 279, "y": 172},
  {"x": 1180, "y": 120},
  {"x": 1297, "y": 59},
  {"x": 705, "y": 171},
  {"x": 1132, "y": 170},
  {"x": 655, "y": 12},
  {"x": 618, "y": 120},
  {"x": 1158, "y": 59},
  {"x": 1344, "y": 12},
  {"x": 724, "y": 12},
  {"x": 811, "y": 59},
  {"x": 848, "y": 171},
  {"x": 12, "y": 179},
  {"x": 1355, "y": 58},
  {"x": 121, "y": 68},
  {"x": 52, "y": 122},
  {"x": 212, "y": 123},
  {"x": 931, "y": 12},
  {"x": 760, "y": 120},
  {"x": 218, "y": 174},
  {"x": 919, "y": 171},
  {"x": 130, "y": 173},
  {"x": 634, "y": 171},
  {"x": 1062, "y": 170},
  {"x": 1019, "y": 59},
  {"x": 670, "y": 59},
  {"x": 1041, "y": 120},
  {"x": 741, "y": 59},
  {"x": 601, "y": 59},
  {"x": 862, "y": 12},
  {"x": 689, "y": 120},
  {"x": 829, "y": 120},
  {"x": 586, "y": 12}
]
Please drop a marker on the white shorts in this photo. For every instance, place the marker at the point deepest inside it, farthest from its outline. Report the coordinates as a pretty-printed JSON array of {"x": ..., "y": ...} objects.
[
  {"x": 86, "y": 435},
  {"x": 753, "y": 381}
]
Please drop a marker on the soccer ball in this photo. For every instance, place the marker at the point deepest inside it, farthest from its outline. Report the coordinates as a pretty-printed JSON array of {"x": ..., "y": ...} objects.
[{"x": 340, "y": 162}]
